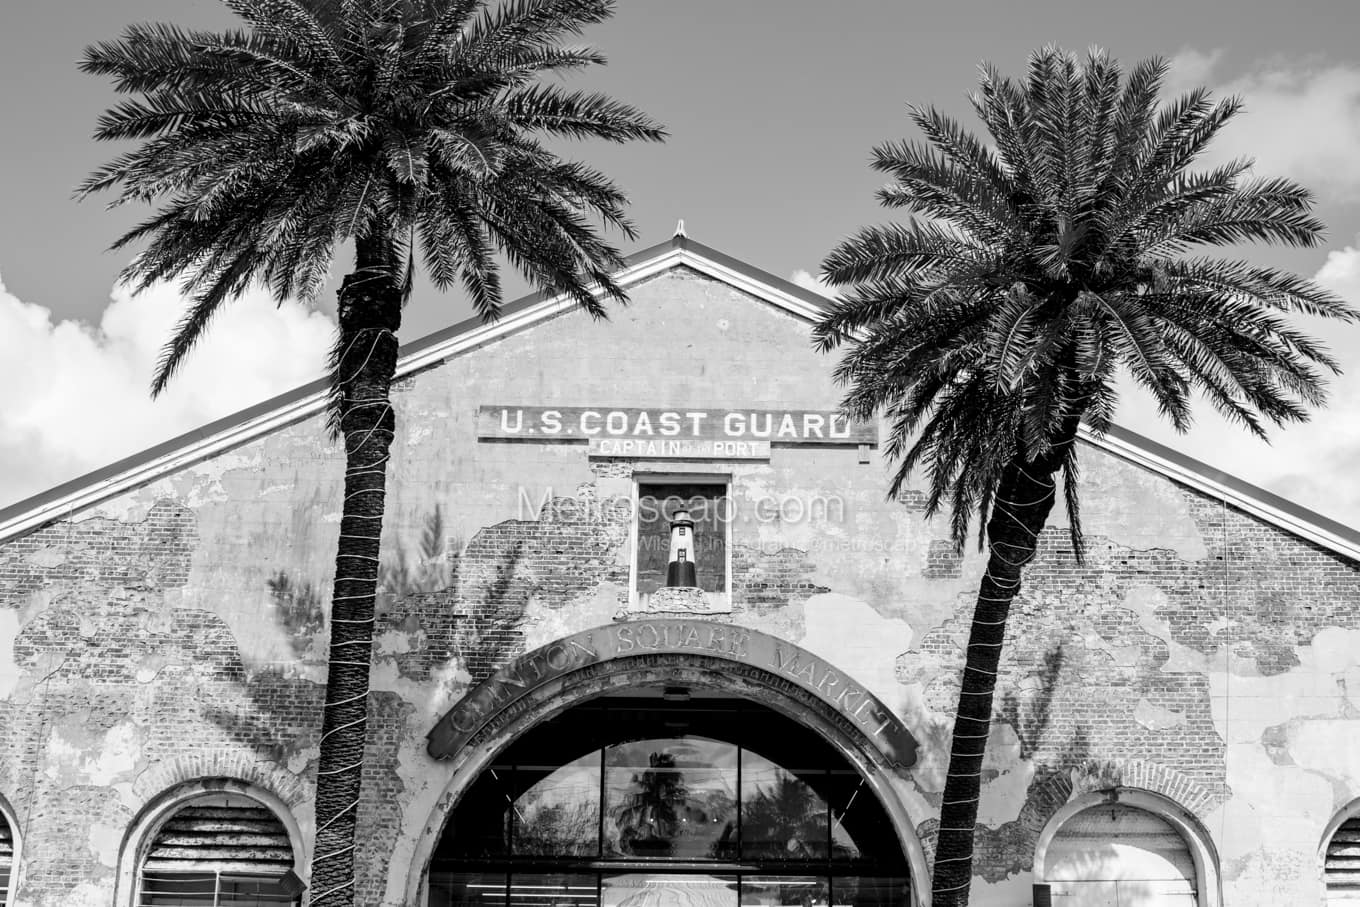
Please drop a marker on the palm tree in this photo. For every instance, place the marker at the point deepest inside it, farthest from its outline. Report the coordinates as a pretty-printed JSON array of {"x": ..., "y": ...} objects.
[
  {"x": 394, "y": 125},
  {"x": 1045, "y": 264},
  {"x": 650, "y": 814}
]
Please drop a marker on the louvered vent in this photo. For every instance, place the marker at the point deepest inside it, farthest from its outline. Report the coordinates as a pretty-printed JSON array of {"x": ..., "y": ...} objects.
[
  {"x": 225, "y": 851},
  {"x": 1343, "y": 864},
  {"x": 6, "y": 859}
]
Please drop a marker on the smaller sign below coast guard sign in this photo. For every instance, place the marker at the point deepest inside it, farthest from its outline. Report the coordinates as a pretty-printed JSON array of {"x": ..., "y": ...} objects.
[{"x": 674, "y": 433}]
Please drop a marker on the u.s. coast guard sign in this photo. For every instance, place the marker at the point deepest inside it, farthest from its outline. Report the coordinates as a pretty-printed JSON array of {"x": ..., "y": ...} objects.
[{"x": 675, "y": 432}]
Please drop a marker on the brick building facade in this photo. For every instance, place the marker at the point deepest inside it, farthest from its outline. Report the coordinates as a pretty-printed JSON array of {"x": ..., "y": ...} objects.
[{"x": 1184, "y": 696}]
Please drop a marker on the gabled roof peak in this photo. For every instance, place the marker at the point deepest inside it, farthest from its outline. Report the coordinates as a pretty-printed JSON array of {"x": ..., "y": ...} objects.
[{"x": 69, "y": 498}]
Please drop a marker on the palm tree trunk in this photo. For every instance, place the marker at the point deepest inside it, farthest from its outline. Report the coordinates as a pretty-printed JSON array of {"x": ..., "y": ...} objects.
[
  {"x": 1024, "y": 499},
  {"x": 365, "y": 361}
]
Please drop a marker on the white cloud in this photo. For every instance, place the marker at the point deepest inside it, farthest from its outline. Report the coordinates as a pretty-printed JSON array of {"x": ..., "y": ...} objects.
[
  {"x": 1301, "y": 118},
  {"x": 1317, "y": 466},
  {"x": 1340, "y": 273},
  {"x": 75, "y": 397},
  {"x": 1312, "y": 464},
  {"x": 1190, "y": 69},
  {"x": 808, "y": 281}
]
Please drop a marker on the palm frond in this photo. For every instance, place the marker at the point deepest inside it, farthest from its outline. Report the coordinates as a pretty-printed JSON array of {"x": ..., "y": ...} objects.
[
  {"x": 520, "y": 25},
  {"x": 579, "y": 114},
  {"x": 893, "y": 251},
  {"x": 321, "y": 123},
  {"x": 229, "y": 280},
  {"x": 1268, "y": 286},
  {"x": 290, "y": 20}
]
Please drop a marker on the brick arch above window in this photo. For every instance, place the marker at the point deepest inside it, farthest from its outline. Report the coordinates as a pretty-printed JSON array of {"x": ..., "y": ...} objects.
[
  {"x": 1132, "y": 774},
  {"x": 239, "y": 765}
]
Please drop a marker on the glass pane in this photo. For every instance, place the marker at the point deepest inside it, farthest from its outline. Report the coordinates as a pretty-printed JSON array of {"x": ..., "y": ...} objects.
[
  {"x": 195, "y": 889},
  {"x": 178, "y": 889},
  {"x": 859, "y": 826},
  {"x": 553, "y": 890},
  {"x": 467, "y": 889},
  {"x": 1085, "y": 894},
  {"x": 245, "y": 891},
  {"x": 673, "y": 799},
  {"x": 481, "y": 827},
  {"x": 866, "y": 891},
  {"x": 646, "y": 889},
  {"x": 783, "y": 891},
  {"x": 782, "y": 817},
  {"x": 558, "y": 812},
  {"x": 1124, "y": 894}
]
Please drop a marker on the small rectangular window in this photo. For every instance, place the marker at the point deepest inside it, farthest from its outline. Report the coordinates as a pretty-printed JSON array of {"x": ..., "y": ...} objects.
[{"x": 658, "y": 542}]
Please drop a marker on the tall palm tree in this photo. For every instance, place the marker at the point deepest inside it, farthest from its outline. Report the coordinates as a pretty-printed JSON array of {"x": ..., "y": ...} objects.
[
  {"x": 1046, "y": 263},
  {"x": 397, "y": 126}
]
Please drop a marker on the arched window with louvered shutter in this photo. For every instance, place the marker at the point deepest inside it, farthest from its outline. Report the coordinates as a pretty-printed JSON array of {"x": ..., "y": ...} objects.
[
  {"x": 7, "y": 861},
  {"x": 1125, "y": 846},
  {"x": 1341, "y": 864},
  {"x": 221, "y": 849},
  {"x": 1119, "y": 854}
]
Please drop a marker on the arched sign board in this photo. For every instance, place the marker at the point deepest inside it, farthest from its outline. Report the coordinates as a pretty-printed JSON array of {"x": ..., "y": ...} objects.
[{"x": 638, "y": 638}]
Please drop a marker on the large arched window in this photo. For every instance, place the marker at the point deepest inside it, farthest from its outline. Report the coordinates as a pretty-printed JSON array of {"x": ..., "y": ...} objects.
[
  {"x": 657, "y": 798},
  {"x": 218, "y": 849}
]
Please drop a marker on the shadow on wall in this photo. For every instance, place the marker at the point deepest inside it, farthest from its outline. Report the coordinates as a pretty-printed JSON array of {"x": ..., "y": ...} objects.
[
  {"x": 300, "y": 611},
  {"x": 429, "y": 568},
  {"x": 446, "y": 612},
  {"x": 488, "y": 633},
  {"x": 299, "y": 605},
  {"x": 278, "y": 713},
  {"x": 1031, "y": 716},
  {"x": 1027, "y": 706}
]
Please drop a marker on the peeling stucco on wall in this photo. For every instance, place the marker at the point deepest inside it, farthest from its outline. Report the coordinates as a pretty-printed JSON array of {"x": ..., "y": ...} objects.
[
  {"x": 848, "y": 632},
  {"x": 9, "y": 669},
  {"x": 104, "y": 842}
]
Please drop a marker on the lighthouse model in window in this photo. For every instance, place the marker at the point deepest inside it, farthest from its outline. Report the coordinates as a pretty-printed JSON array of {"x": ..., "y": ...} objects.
[
  {"x": 681, "y": 594},
  {"x": 680, "y": 570}
]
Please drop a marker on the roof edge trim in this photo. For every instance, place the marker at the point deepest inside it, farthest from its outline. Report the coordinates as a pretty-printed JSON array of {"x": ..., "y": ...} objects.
[{"x": 1265, "y": 505}]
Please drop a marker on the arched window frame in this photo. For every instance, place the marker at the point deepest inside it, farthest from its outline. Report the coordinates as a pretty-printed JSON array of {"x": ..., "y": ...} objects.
[
  {"x": 1208, "y": 884},
  {"x": 1350, "y": 811},
  {"x": 757, "y": 684},
  {"x": 17, "y": 835},
  {"x": 156, "y": 813}
]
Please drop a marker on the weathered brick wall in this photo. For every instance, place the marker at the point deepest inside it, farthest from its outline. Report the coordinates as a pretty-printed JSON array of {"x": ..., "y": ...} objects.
[
  {"x": 117, "y": 692},
  {"x": 178, "y": 631}
]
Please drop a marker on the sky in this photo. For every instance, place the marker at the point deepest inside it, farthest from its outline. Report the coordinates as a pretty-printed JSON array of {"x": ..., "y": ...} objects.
[{"x": 772, "y": 106}]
